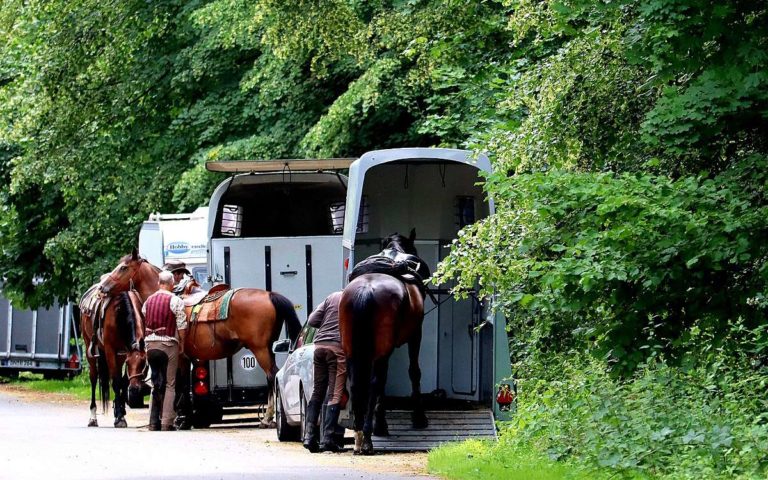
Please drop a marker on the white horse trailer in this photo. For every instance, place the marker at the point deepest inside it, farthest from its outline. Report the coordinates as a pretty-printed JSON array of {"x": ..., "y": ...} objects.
[
  {"x": 177, "y": 236},
  {"x": 299, "y": 229},
  {"x": 278, "y": 231}
]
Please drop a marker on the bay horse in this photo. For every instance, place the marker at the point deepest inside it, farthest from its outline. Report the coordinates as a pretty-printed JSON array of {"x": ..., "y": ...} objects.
[
  {"x": 120, "y": 345},
  {"x": 379, "y": 312},
  {"x": 255, "y": 320}
]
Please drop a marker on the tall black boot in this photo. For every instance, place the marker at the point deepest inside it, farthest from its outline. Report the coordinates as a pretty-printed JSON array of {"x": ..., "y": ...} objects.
[
  {"x": 310, "y": 426},
  {"x": 330, "y": 422}
]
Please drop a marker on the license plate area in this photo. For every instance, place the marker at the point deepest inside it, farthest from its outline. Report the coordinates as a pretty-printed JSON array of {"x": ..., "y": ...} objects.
[{"x": 13, "y": 362}]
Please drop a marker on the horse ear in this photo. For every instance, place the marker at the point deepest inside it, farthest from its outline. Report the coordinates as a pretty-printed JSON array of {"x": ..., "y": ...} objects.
[
  {"x": 412, "y": 236},
  {"x": 134, "y": 254}
]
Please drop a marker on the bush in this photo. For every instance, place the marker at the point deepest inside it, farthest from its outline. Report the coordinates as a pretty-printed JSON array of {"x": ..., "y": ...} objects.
[{"x": 664, "y": 421}]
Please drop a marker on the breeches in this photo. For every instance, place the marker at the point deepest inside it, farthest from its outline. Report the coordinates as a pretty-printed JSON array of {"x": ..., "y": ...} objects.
[{"x": 330, "y": 373}]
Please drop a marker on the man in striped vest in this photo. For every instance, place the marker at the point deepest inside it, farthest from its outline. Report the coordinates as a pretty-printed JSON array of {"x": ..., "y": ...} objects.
[{"x": 165, "y": 326}]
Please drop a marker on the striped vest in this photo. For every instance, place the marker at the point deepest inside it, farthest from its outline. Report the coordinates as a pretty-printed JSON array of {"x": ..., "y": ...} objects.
[{"x": 160, "y": 319}]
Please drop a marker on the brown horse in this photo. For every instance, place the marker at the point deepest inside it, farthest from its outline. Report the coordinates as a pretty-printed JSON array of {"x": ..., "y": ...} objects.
[
  {"x": 378, "y": 313},
  {"x": 255, "y": 320},
  {"x": 122, "y": 332}
]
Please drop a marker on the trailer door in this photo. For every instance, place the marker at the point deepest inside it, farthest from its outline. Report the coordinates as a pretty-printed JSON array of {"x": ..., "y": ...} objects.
[{"x": 304, "y": 269}]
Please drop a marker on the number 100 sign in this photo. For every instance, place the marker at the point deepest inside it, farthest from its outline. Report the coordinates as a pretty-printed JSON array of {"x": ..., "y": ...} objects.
[{"x": 248, "y": 362}]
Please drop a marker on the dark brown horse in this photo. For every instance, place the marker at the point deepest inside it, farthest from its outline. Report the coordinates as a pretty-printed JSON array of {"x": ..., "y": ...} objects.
[
  {"x": 119, "y": 345},
  {"x": 255, "y": 320},
  {"x": 378, "y": 313}
]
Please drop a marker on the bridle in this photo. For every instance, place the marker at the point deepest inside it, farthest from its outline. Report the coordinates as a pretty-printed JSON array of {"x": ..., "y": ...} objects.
[
  {"x": 130, "y": 279},
  {"x": 142, "y": 374}
]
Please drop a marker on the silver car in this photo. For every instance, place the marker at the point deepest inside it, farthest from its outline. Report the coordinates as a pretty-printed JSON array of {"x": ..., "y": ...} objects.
[{"x": 293, "y": 385}]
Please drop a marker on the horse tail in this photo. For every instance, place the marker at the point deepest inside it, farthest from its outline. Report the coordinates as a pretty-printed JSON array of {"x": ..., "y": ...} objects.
[
  {"x": 286, "y": 314},
  {"x": 362, "y": 308},
  {"x": 102, "y": 371}
]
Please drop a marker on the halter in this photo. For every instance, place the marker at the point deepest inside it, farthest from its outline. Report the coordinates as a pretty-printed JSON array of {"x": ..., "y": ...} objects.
[{"x": 142, "y": 374}]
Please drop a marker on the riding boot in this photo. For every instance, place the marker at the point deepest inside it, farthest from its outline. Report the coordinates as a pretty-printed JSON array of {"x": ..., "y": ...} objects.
[
  {"x": 93, "y": 348},
  {"x": 330, "y": 422},
  {"x": 310, "y": 426},
  {"x": 155, "y": 411}
]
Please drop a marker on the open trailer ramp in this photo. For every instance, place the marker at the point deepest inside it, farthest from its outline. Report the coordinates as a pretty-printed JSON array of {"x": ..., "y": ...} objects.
[{"x": 444, "y": 426}]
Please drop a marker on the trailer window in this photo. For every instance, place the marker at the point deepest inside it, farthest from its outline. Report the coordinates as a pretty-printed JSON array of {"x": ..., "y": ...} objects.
[
  {"x": 231, "y": 220},
  {"x": 337, "y": 217},
  {"x": 338, "y": 210}
]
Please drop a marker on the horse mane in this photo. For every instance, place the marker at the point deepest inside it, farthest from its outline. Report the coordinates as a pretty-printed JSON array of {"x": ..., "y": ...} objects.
[{"x": 124, "y": 316}]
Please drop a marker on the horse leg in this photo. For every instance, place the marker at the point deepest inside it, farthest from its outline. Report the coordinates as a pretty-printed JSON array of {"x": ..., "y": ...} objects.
[
  {"x": 380, "y": 369},
  {"x": 418, "y": 417},
  {"x": 360, "y": 384},
  {"x": 266, "y": 360},
  {"x": 92, "y": 422},
  {"x": 118, "y": 388}
]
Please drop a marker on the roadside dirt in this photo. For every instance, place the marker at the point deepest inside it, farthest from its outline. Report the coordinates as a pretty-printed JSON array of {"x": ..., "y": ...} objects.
[{"x": 400, "y": 464}]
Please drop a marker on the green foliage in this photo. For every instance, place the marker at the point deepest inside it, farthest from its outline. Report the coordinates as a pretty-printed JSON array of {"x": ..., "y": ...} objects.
[
  {"x": 626, "y": 262},
  {"x": 78, "y": 387},
  {"x": 111, "y": 109},
  {"x": 703, "y": 422},
  {"x": 479, "y": 460}
]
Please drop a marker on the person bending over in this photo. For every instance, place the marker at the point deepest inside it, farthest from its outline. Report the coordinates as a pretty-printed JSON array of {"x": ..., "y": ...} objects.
[{"x": 330, "y": 376}]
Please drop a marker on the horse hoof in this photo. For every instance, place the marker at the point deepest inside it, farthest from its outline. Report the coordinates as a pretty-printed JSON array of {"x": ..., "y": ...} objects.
[
  {"x": 358, "y": 443},
  {"x": 367, "y": 447},
  {"x": 419, "y": 420},
  {"x": 121, "y": 423},
  {"x": 181, "y": 423},
  {"x": 267, "y": 425},
  {"x": 93, "y": 423}
]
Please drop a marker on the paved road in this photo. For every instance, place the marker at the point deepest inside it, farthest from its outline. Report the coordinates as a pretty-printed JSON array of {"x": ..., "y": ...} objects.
[{"x": 41, "y": 440}]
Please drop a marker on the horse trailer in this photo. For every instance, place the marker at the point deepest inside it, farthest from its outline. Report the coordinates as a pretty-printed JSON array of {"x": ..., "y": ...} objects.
[
  {"x": 39, "y": 341},
  {"x": 299, "y": 226}
]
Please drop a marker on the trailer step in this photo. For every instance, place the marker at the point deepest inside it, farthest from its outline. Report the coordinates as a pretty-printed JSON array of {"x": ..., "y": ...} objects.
[{"x": 444, "y": 426}]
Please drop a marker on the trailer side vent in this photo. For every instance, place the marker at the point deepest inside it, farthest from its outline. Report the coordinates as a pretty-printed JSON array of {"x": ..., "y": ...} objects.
[
  {"x": 231, "y": 220},
  {"x": 465, "y": 211}
]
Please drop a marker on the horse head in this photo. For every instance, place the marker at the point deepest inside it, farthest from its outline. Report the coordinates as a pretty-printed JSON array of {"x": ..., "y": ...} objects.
[
  {"x": 136, "y": 368},
  {"x": 133, "y": 272},
  {"x": 400, "y": 243},
  {"x": 119, "y": 279}
]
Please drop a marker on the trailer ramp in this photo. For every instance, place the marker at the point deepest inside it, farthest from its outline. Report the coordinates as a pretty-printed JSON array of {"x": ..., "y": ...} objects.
[{"x": 444, "y": 426}]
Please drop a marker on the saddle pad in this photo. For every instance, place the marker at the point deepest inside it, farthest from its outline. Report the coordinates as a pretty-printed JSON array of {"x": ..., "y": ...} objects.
[{"x": 213, "y": 307}]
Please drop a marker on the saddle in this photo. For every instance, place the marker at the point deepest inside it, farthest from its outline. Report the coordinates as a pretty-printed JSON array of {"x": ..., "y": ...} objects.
[
  {"x": 213, "y": 306},
  {"x": 94, "y": 304},
  {"x": 405, "y": 267}
]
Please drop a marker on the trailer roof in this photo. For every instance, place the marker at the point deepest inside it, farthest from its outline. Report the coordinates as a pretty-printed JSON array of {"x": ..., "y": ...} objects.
[{"x": 312, "y": 164}]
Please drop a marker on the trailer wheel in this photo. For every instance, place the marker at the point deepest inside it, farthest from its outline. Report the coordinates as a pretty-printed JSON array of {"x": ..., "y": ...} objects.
[{"x": 285, "y": 432}]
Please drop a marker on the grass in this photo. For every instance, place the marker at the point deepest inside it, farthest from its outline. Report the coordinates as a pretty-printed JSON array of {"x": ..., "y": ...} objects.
[
  {"x": 477, "y": 459},
  {"x": 78, "y": 387}
]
